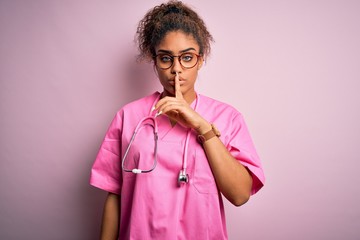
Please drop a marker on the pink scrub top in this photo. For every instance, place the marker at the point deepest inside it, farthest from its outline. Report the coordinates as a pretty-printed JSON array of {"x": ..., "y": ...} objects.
[{"x": 153, "y": 205}]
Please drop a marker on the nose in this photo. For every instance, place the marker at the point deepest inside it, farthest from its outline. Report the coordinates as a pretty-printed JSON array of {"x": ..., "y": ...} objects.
[{"x": 176, "y": 66}]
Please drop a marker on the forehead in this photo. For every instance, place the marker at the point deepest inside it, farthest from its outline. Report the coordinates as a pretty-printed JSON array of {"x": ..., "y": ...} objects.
[{"x": 176, "y": 42}]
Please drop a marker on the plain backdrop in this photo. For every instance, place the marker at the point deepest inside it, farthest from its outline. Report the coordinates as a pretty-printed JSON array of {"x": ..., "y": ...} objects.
[{"x": 291, "y": 67}]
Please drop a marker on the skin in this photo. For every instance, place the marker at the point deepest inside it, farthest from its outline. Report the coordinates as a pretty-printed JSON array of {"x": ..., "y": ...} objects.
[
  {"x": 110, "y": 220},
  {"x": 233, "y": 179},
  {"x": 176, "y": 43}
]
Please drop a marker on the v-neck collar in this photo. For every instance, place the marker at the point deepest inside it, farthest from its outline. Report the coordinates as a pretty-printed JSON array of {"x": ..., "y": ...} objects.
[{"x": 169, "y": 132}]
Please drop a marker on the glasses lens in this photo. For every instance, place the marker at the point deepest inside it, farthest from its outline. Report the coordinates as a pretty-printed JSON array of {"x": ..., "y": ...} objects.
[
  {"x": 164, "y": 61},
  {"x": 188, "y": 60}
]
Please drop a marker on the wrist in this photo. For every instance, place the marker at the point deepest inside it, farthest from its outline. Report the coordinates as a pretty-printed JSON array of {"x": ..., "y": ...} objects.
[
  {"x": 213, "y": 132},
  {"x": 203, "y": 128}
]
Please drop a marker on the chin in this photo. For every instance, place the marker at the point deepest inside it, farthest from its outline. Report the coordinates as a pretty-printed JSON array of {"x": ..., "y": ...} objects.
[{"x": 169, "y": 92}]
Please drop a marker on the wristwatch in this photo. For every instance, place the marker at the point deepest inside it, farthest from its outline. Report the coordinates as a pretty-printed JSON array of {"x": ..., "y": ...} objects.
[{"x": 208, "y": 135}]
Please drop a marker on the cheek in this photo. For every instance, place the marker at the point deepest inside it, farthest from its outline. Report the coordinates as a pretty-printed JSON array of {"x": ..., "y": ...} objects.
[
  {"x": 160, "y": 74},
  {"x": 162, "y": 77},
  {"x": 193, "y": 76}
]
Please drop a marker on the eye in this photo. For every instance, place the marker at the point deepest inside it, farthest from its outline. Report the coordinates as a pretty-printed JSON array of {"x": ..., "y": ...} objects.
[
  {"x": 187, "y": 57},
  {"x": 165, "y": 58}
]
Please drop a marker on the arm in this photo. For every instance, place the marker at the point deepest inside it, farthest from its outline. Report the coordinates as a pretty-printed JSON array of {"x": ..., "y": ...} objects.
[
  {"x": 232, "y": 178},
  {"x": 110, "y": 221}
]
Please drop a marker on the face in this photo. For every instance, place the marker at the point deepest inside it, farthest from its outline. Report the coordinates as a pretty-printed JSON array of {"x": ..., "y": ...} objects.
[{"x": 174, "y": 44}]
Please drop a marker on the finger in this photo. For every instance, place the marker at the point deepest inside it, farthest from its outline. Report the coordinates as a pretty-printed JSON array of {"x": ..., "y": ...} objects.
[
  {"x": 158, "y": 114},
  {"x": 178, "y": 93},
  {"x": 169, "y": 107},
  {"x": 161, "y": 102}
]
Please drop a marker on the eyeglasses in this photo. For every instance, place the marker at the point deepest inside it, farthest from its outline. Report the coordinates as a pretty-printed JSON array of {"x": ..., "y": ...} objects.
[{"x": 187, "y": 60}]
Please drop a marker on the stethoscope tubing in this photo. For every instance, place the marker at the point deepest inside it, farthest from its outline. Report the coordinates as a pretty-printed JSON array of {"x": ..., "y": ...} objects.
[
  {"x": 185, "y": 155},
  {"x": 155, "y": 131},
  {"x": 137, "y": 129}
]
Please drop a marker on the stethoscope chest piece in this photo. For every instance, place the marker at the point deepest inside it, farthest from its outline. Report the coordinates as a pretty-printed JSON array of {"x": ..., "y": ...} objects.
[{"x": 183, "y": 177}]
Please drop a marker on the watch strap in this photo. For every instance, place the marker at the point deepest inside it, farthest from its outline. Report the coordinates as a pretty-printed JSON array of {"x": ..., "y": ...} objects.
[{"x": 213, "y": 132}]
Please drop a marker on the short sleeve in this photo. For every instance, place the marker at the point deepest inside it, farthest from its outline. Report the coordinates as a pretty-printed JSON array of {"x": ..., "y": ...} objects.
[
  {"x": 241, "y": 146},
  {"x": 106, "y": 170}
]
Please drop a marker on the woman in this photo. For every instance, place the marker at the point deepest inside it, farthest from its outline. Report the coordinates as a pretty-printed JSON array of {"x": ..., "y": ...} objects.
[{"x": 170, "y": 186}]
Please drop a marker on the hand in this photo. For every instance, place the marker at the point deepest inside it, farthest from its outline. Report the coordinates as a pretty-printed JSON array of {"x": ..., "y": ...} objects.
[{"x": 177, "y": 109}]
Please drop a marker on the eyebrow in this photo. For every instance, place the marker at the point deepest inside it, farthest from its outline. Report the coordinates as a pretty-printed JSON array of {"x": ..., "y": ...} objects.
[{"x": 171, "y": 52}]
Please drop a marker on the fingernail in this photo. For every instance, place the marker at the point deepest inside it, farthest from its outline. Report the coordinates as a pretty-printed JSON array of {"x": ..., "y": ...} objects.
[
  {"x": 158, "y": 113},
  {"x": 153, "y": 108}
]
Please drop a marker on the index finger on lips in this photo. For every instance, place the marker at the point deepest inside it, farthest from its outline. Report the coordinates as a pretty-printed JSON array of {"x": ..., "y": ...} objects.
[{"x": 178, "y": 93}]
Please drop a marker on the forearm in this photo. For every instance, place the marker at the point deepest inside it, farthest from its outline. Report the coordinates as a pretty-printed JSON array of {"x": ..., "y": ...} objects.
[
  {"x": 110, "y": 221},
  {"x": 232, "y": 178}
]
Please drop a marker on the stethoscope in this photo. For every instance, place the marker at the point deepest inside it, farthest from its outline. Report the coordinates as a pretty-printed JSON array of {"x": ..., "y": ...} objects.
[{"x": 151, "y": 121}]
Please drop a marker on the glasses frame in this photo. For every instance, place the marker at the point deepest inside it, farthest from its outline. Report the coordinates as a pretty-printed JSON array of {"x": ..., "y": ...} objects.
[{"x": 198, "y": 56}]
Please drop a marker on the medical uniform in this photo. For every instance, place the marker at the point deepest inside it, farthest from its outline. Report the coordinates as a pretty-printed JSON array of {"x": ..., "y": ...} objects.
[{"x": 154, "y": 205}]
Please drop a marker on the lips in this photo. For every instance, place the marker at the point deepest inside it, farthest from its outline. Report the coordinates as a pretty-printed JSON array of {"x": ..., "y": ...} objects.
[{"x": 172, "y": 82}]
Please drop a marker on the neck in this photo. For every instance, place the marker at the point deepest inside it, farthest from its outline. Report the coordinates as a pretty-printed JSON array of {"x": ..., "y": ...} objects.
[{"x": 190, "y": 97}]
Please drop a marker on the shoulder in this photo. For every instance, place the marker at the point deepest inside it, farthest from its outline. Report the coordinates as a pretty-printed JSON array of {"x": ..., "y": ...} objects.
[
  {"x": 136, "y": 109},
  {"x": 218, "y": 107},
  {"x": 140, "y": 105},
  {"x": 143, "y": 102}
]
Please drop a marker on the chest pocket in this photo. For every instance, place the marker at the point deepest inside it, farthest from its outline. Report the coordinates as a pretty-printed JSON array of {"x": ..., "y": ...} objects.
[{"x": 203, "y": 179}]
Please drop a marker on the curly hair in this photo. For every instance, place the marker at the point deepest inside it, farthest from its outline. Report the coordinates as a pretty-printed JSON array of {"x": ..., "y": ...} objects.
[{"x": 167, "y": 17}]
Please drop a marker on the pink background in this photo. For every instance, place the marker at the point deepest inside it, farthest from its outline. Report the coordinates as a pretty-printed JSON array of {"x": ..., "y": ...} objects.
[{"x": 291, "y": 67}]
